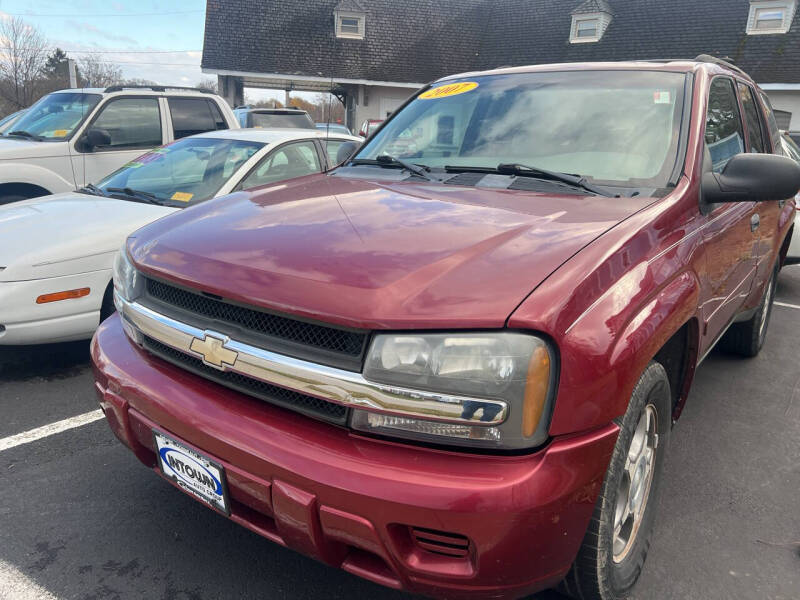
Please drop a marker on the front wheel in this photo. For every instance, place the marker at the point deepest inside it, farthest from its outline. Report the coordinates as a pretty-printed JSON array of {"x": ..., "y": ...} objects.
[{"x": 614, "y": 549}]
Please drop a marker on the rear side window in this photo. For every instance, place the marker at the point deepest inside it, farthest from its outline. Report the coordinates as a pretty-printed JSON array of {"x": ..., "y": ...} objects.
[
  {"x": 332, "y": 150},
  {"x": 287, "y": 162},
  {"x": 724, "y": 133},
  {"x": 219, "y": 120},
  {"x": 131, "y": 123},
  {"x": 772, "y": 123},
  {"x": 754, "y": 132},
  {"x": 193, "y": 115}
]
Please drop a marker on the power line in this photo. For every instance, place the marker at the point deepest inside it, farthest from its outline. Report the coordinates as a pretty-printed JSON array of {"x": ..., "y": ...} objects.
[
  {"x": 130, "y": 51},
  {"x": 81, "y": 16},
  {"x": 117, "y": 51}
]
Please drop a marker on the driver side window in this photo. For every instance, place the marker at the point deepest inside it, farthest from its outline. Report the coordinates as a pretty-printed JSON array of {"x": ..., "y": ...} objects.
[{"x": 724, "y": 133}]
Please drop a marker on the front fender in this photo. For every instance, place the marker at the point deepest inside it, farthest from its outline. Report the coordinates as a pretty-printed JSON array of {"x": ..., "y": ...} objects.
[
  {"x": 606, "y": 349},
  {"x": 21, "y": 172}
]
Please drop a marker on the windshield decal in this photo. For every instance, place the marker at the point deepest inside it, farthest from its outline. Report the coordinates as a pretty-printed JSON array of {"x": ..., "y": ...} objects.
[
  {"x": 451, "y": 89},
  {"x": 181, "y": 196},
  {"x": 662, "y": 98}
]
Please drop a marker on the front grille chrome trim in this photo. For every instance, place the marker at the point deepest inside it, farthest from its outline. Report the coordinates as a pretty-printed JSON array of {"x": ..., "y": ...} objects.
[{"x": 328, "y": 383}]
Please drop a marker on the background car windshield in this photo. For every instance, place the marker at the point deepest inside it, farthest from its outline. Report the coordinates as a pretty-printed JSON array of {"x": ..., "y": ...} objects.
[
  {"x": 187, "y": 171},
  {"x": 57, "y": 115},
  {"x": 620, "y": 127},
  {"x": 294, "y": 121}
]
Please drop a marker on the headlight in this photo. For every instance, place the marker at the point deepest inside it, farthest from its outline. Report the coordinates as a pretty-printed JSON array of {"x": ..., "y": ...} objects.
[
  {"x": 127, "y": 283},
  {"x": 513, "y": 368}
]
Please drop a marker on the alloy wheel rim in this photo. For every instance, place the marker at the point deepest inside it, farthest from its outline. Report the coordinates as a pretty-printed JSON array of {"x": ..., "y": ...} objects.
[
  {"x": 762, "y": 326},
  {"x": 634, "y": 486}
]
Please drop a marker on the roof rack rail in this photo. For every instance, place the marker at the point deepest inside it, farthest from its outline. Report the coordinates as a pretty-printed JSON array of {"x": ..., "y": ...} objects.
[
  {"x": 155, "y": 88},
  {"x": 723, "y": 62}
]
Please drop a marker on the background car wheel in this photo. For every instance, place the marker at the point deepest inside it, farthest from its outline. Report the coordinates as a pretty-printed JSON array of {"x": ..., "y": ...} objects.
[
  {"x": 614, "y": 549},
  {"x": 11, "y": 198},
  {"x": 747, "y": 338}
]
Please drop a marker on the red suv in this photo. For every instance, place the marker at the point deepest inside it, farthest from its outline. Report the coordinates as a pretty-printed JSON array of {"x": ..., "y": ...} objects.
[{"x": 455, "y": 372}]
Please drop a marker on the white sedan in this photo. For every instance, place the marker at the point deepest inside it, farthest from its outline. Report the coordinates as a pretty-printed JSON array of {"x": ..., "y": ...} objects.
[{"x": 57, "y": 252}]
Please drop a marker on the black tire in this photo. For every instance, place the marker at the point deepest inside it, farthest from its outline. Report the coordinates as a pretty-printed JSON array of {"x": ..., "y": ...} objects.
[
  {"x": 107, "y": 308},
  {"x": 747, "y": 338},
  {"x": 597, "y": 573}
]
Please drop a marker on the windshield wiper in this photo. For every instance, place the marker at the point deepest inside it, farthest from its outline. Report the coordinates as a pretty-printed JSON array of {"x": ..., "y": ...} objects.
[
  {"x": 92, "y": 189},
  {"x": 384, "y": 160},
  {"x": 520, "y": 170},
  {"x": 137, "y": 195},
  {"x": 26, "y": 134}
]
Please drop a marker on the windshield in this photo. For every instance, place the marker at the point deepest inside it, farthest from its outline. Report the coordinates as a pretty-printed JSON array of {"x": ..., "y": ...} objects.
[
  {"x": 295, "y": 121},
  {"x": 56, "y": 115},
  {"x": 185, "y": 172},
  {"x": 617, "y": 127}
]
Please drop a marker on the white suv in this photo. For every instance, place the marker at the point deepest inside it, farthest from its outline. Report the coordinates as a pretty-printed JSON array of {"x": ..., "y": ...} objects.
[{"x": 73, "y": 137}]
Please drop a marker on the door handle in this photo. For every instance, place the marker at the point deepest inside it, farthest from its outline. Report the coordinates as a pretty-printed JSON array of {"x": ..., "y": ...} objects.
[{"x": 755, "y": 221}]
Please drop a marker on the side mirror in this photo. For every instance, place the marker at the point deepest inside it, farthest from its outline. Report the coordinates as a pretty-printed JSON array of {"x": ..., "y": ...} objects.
[
  {"x": 752, "y": 178},
  {"x": 96, "y": 137},
  {"x": 345, "y": 151}
]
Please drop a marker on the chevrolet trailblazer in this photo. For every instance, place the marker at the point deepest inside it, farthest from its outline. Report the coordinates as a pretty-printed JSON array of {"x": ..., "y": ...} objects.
[{"x": 452, "y": 366}]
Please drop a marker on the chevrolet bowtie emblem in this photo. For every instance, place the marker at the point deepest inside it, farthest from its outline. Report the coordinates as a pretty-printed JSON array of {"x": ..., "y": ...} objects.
[{"x": 213, "y": 351}]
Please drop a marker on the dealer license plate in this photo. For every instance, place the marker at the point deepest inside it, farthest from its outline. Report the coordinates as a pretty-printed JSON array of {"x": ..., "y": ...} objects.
[{"x": 194, "y": 473}]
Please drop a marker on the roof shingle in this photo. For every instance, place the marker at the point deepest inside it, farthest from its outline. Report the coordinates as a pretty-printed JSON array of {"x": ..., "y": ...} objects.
[{"x": 416, "y": 41}]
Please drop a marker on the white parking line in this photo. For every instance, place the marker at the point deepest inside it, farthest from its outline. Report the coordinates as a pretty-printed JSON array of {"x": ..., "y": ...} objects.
[
  {"x": 18, "y": 586},
  {"x": 47, "y": 430},
  {"x": 787, "y": 305}
]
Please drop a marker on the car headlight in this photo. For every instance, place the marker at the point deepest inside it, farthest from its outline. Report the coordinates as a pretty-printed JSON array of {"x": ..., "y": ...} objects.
[
  {"x": 515, "y": 369},
  {"x": 127, "y": 283}
]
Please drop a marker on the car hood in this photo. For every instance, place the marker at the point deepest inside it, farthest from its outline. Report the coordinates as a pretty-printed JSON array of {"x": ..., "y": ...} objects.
[
  {"x": 14, "y": 148},
  {"x": 374, "y": 254},
  {"x": 67, "y": 233}
]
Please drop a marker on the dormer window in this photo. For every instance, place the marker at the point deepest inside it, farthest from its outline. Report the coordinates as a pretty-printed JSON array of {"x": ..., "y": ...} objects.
[
  {"x": 590, "y": 21},
  {"x": 350, "y": 20},
  {"x": 770, "y": 16},
  {"x": 587, "y": 28}
]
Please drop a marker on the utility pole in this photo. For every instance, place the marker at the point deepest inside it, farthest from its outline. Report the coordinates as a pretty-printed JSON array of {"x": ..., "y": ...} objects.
[{"x": 73, "y": 74}]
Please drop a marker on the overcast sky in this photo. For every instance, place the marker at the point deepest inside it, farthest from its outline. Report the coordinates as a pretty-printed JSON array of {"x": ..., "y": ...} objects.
[{"x": 148, "y": 39}]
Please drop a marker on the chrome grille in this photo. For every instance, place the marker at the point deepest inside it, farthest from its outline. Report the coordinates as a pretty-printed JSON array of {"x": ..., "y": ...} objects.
[
  {"x": 309, "y": 405},
  {"x": 333, "y": 346}
]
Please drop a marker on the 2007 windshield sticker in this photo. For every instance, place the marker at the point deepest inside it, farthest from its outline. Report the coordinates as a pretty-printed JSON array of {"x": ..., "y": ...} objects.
[{"x": 451, "y": 89}]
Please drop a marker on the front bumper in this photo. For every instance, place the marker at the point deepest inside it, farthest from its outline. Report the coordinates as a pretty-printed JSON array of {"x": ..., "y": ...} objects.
[{"x": 359, "y": 503}]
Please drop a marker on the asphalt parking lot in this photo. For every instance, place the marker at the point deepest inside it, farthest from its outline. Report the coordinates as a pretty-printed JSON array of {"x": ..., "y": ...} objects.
[{"x": 81, "y": 518}]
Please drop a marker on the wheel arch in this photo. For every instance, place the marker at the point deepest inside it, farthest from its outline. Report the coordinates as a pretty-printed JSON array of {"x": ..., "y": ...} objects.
[
  {"x": 28, "y": 190},
  {"x": 679, "y": 356}
]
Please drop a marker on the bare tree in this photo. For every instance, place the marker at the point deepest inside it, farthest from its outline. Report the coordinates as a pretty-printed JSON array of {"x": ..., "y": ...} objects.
[
  {"x": 95, "y": 72},
  {"x": 207, "y": 83},
  {"x": 329, "y": 108},
  {"x": 23, "y": 52}
]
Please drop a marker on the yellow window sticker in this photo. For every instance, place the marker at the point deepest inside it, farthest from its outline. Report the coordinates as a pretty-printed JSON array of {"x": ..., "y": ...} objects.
[
  {"x": 451, "y": 89},
  {"x": 133, "y": 165},
  {"x": 60, "y": 132},
  {"x": 182, "y": 196}
]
